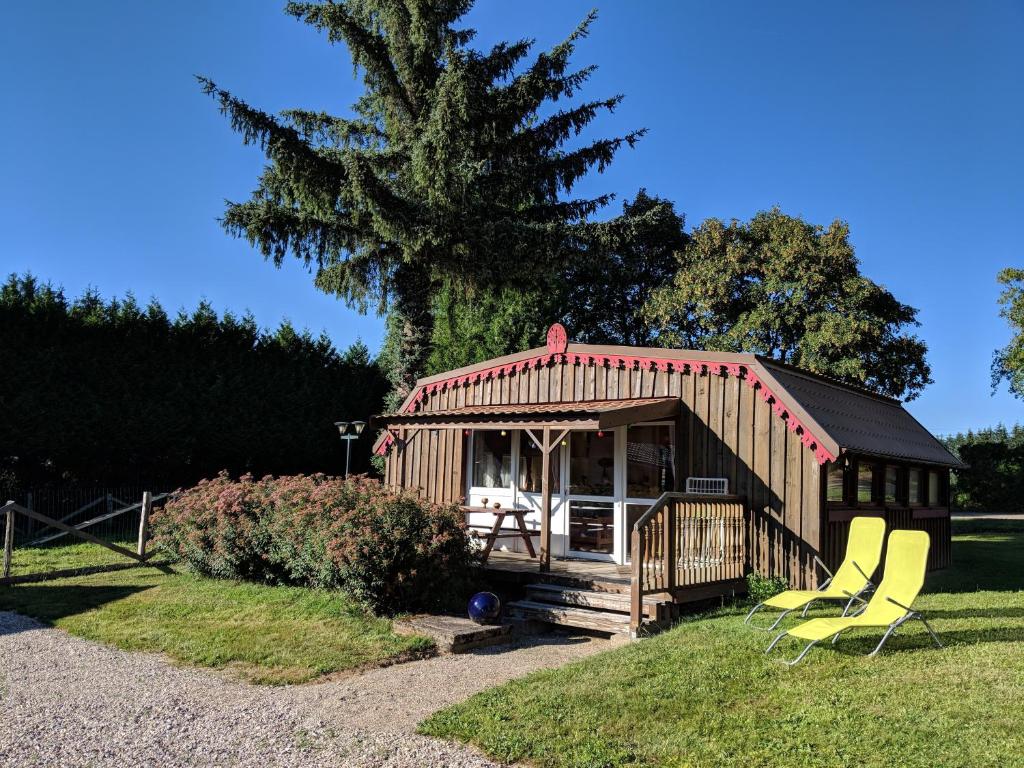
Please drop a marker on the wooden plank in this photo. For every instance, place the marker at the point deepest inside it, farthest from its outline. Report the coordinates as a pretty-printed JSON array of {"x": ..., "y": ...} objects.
[
  {"x": 730, "y": 428},
  {"x": 147, "y": 508},
  {"x": 810, "y": 526},
  {"x": 700, "y": 403},
  {"x": 8, "y": 538},
  {"x": 545, "y": 501},
  {"x": 793, "y": 507}
]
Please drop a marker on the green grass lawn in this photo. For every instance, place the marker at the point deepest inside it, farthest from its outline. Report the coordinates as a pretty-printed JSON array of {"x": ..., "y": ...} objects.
[
  {"x": 28, "y": 560},
  {"x": 264, "y": 634},
  {"x": 704, "y": 694}
]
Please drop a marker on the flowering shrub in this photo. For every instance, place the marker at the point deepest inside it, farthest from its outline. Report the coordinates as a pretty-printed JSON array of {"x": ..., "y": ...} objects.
[{"x": 391, "y": 552}]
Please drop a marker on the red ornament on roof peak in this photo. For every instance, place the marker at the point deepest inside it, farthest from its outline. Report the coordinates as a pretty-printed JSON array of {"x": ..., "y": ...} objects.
[{"x": 558, "y": 340}]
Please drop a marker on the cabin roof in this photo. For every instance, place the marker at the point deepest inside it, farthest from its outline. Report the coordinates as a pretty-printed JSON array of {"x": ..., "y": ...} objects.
[
  {"x": 831, "y": 416},
  {"x": 861, "y": 421}
]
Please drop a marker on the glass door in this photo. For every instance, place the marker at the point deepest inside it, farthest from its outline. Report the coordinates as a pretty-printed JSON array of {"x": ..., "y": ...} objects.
[
  {"x": 649, "y": 471},
  {"x": 592, "y": 494}
]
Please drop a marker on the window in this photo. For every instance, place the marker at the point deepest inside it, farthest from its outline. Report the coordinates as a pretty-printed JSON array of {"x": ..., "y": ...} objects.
[
  {"x": 836, "y": 482},
  {"x": 916, "y": 485},
  {"x": 592, "y": 463},
  {"x": 531, "y": 466},
  {"x": 934, "y": 487},
  {"x": 492, "y": 458},
  {"x": 865, "y": 482},
  {"x": 892, "y": 484},
  {"x": 650, "y": 461}
]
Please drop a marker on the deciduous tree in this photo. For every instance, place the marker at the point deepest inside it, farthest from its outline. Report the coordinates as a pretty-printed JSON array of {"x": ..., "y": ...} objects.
[
  {"x": 1008, "y": 362},
  {"x": 782, "y": 287}
]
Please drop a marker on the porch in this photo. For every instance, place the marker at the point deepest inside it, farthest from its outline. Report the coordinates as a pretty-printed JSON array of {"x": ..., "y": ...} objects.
[
  {"x": 687, "y": 548},
  {"x": 594, "y": 488}
]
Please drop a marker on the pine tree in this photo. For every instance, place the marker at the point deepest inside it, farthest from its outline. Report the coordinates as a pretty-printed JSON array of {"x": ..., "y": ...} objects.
[{"x": 452, "y": 167}]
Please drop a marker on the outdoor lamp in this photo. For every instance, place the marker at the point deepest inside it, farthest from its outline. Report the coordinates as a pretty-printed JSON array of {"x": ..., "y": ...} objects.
[{"x": 343, "y": 427}]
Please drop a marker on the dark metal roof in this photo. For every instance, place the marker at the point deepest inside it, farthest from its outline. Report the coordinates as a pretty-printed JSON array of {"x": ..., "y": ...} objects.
[{"x": 861, "y": 421}]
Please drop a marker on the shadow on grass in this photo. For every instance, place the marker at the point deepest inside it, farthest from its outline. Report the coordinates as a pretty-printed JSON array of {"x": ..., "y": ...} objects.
[
  {"x": 48, "y": 603},
  {"x": 989, "y": 562}
]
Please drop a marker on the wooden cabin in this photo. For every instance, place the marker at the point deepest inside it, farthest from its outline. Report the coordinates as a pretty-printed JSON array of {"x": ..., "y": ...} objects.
[{"x": 665, "y": 475}]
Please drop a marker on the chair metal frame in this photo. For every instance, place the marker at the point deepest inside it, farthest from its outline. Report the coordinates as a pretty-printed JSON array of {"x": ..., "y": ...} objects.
[
  {"x": 889, "y": 632},
  {"x": 858, "y": 597}
]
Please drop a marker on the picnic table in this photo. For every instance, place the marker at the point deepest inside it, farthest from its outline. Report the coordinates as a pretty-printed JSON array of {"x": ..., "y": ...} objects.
[{"x": 495, "y": 532}]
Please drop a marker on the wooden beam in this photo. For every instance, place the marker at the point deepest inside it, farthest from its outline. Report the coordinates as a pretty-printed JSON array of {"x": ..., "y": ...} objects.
[
  {"x": 8, "y": 538},
  {"x": 545, "y": 504},
  {"x": 73, "y": 531},
  {"x": 557, "y": 441},
  {"x": 634, "y": 414},
  {"x": 147, "y": 507}
]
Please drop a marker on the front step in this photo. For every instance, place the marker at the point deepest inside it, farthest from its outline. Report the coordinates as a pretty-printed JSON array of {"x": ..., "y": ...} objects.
[
  {"x": 589, "y": 598},
  {"x": 568, "y": 616}
]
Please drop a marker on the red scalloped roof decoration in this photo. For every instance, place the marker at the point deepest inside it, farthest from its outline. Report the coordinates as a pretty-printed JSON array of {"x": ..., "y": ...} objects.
[{"x": 628, "y": 362}]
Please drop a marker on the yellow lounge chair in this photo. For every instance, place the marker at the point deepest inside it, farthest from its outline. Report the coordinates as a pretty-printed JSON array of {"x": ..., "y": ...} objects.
[
  {"x": 905, "y": 563},
  {"x": 851, "y": 581}
]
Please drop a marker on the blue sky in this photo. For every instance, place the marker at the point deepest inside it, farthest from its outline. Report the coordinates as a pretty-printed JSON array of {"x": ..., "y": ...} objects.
[{"x": 904, "y": 119}]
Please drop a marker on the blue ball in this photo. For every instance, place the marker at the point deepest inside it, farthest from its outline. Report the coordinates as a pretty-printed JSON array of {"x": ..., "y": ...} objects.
[{"x": 484, "y": 607}]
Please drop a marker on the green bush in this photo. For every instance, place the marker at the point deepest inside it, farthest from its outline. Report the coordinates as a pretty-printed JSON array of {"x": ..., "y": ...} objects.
[
  {"x": 390, "y": 551},
  {"x": 760, "y": 588}
]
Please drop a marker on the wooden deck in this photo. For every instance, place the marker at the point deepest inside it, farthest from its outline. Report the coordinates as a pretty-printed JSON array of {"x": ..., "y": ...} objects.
[{"x": 521, "y": 568}]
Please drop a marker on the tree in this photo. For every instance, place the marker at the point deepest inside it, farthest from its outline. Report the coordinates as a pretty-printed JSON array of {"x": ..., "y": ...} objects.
[
  {"x": 108, "y": 391},
  {"x": 603, "y": 297},
  {"x": 452, "y": 168},
  {"x": 1008, "y": 362},
  {"x": 599, "y": 297},
  {"x": 784, "y": 288}
]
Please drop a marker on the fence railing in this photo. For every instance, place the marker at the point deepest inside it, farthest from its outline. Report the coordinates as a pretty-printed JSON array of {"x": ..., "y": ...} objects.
[
  {"x": 46, "y": 529},
  {"x": 684, "y": 540}
]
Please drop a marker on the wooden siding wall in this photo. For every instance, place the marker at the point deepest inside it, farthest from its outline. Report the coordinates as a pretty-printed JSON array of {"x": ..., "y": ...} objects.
[
  {"x": 727, "y": 430},
  {"x": 933, "y": 521}
]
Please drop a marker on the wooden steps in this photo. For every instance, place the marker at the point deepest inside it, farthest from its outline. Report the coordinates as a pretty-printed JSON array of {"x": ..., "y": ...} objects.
[
  {"x": 584, "y": 608},
  {"x": 569, "y": 616},
  {"x": 587, "y": 598}
]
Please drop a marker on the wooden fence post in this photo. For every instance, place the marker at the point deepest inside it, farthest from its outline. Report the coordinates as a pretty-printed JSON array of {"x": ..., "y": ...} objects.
[
  {"x": 147, "y": 507},
  {"x": 8, "y": 540}
]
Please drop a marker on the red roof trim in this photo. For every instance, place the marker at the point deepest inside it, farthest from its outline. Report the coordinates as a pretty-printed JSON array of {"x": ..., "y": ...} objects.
[{"x": 633, "y": 362}]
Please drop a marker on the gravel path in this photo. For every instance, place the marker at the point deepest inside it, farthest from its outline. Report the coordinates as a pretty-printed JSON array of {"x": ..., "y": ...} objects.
[{"x": 69, "y": 702}]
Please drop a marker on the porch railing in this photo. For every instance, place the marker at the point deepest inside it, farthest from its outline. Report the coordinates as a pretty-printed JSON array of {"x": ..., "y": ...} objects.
[{"x": 685, "y": 540}]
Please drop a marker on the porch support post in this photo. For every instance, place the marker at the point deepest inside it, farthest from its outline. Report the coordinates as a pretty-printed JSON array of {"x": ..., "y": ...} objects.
[{"x": 545, "y": 503}]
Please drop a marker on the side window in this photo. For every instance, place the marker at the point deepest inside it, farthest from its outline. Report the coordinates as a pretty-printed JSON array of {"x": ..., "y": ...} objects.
[
  {"x": 836, "y": 482},
  {"x": 865, "y": 482},
  {"x": 935, "y": 495},
  {"x": 492, "y": 458},
  {"x": 916, "y": 486},
  {"x": 892, "y": 484}
]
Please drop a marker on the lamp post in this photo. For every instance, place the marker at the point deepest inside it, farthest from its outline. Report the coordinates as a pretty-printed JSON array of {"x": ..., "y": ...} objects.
[{"x": 357, "y": 428}]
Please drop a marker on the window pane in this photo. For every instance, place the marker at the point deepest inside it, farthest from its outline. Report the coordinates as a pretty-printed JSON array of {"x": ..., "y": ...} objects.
[
  {"x": 916, "y": 488},
  {"x": 865, "y": 482},
  {"x": 650, "y": 461},
  {"x": 492, "y": 459},
  {"x": 531, "y": 463},
  {"x": 892, "y": 475},
  {"x": 592, "y": 463},
  {"x": 592, "y": 526},
  {"x": 836, "y": 483},
  {"x": 933, "y": 489}
]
